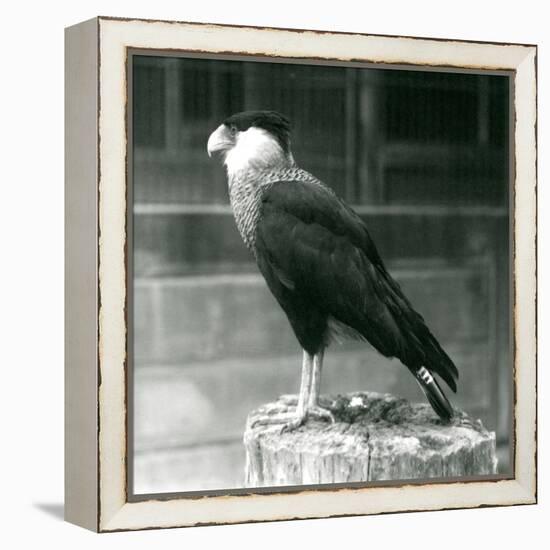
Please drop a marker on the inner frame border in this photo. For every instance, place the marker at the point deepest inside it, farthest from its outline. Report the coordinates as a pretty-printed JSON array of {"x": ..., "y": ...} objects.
[{"x": 129, "y": 368}]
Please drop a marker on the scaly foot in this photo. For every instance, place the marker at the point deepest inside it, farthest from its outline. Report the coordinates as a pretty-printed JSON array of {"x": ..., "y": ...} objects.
[
  {"x": 289, "y": 420},
  {"x": 292, "y": 420}
]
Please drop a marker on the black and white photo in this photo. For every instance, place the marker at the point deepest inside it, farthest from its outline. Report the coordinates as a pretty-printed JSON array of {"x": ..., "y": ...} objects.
[{"x": 357, "y": 217}]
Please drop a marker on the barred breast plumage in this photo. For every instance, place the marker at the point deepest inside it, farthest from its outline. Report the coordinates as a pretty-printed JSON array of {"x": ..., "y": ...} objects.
[{"x": 246, "y": 190}]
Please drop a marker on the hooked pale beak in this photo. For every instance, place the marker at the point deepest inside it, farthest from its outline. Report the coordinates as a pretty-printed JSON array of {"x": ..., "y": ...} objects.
[{"x": 220, "y": 140}]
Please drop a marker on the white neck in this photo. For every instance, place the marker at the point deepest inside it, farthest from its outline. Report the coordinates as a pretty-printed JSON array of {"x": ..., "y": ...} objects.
[{"x": 256, "y": 149}]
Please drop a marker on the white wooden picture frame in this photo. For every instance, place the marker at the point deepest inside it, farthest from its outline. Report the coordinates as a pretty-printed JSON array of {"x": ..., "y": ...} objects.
[{"x": 97, "y": 495}]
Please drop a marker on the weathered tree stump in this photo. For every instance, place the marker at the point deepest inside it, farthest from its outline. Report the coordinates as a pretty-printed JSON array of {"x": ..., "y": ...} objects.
[{"x": 375, "y": 437}]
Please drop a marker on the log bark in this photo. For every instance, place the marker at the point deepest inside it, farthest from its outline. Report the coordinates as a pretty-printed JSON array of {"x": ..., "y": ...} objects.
[{"x": 375, "y": 437}]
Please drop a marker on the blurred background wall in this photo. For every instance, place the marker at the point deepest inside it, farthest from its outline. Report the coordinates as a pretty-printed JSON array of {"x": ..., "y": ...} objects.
[{"x": 422, "y": 156}]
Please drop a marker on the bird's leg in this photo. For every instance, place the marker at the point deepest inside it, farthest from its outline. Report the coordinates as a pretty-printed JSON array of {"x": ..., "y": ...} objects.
[
  {"x": 300, "y": 416},
  {"x": 292, "y": 420},
  {"x": 305, "y": 386},
  {"x": 308, "y": 399},
  {"x": 314, "y": 409},
  {"x": 313, "y": 399}
]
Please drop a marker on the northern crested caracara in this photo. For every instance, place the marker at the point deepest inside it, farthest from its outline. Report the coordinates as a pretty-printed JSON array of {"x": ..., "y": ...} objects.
[{"x": 319, "y": 262}]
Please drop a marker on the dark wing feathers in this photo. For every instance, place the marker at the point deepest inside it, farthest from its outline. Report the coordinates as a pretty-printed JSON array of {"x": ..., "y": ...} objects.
[{"x": 316, "y": 246}]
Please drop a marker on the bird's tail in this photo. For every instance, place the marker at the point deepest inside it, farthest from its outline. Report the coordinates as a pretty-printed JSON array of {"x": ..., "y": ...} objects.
[{"x": 434, "y": 393}]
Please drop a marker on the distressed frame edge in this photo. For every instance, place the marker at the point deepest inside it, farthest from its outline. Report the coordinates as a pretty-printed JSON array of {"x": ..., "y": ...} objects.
[
  {"x": 81, "y": 477},
  {"x": 515, "y": 492},
  {"x": 524, "y": 276},
  {"x": 121, "y": 515},
  {"x": 315, "y": 31}
]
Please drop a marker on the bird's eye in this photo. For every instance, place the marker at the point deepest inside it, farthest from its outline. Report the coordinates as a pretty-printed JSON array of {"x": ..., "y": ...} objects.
[{"x": 233, "y": 130}]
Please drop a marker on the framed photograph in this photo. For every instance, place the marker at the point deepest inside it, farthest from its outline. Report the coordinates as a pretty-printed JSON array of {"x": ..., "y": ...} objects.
[{"x": 248, "y": 209}]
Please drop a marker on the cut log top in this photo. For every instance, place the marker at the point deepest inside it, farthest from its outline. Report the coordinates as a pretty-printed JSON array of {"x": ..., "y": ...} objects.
[{"x": 375, "y": 437}]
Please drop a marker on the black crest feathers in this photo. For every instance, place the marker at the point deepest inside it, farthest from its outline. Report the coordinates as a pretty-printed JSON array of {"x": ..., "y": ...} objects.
[{"x": 273, "y": 122}]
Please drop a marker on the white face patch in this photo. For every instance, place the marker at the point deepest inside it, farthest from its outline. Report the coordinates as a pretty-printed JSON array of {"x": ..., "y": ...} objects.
[{"x": 255, "y": 149}]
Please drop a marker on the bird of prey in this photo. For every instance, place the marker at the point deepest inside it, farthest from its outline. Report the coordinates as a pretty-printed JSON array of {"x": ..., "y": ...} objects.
[{"x": 320, "y": 263}]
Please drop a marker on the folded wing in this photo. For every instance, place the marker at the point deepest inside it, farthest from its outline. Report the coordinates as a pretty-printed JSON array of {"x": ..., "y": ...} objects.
[{"x": 313, "y": 249}]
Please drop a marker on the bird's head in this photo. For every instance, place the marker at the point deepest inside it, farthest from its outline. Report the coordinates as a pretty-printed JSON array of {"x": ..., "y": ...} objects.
[{"x": 252, "y": 140}]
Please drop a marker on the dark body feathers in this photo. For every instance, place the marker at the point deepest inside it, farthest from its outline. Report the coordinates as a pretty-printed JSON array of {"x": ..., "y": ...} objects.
[{"x": 324, "y": 270}]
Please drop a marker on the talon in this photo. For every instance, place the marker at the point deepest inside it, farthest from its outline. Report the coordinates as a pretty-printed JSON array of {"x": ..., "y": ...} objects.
[
  {"x": 276, "y": 417},
  {"x": 294, "y": 424},
  {"x": 321, "y": 414}
]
